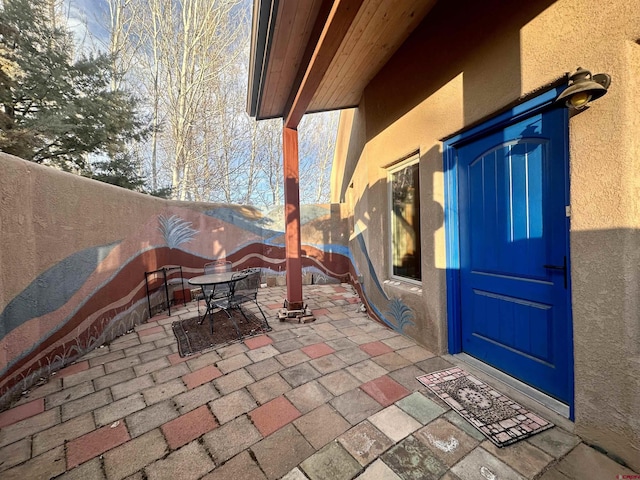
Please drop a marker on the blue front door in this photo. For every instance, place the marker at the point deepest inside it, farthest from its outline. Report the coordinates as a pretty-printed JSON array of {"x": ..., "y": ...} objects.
[{"x": 514, "y": 259}]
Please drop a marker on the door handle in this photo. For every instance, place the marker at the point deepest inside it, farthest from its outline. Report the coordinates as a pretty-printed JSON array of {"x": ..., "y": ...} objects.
[{"x": 562, "y": 267}]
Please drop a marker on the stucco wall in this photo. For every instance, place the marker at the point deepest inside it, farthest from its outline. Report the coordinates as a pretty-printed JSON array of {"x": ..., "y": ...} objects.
[
  {"x": 73, "y": 253},
  {"x": 466, "y": 62}
]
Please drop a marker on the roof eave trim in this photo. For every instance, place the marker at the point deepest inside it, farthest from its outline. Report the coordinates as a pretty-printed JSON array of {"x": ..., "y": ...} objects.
[{"x": 264, "y": 19}]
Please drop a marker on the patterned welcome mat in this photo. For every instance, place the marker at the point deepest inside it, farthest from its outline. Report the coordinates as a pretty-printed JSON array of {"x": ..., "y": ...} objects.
[
  {"x": 193, "y": 338},
  {"x": 499, "y": 418}
]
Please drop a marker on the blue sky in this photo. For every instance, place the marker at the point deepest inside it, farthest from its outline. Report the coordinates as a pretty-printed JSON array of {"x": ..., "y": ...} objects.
[{"x": 87, "y": 18}]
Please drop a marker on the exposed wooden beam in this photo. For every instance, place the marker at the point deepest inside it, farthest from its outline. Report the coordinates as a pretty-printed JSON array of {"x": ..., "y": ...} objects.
[
  {"x": 333, "y": 29},
  {"x": 292, "y": 219}
]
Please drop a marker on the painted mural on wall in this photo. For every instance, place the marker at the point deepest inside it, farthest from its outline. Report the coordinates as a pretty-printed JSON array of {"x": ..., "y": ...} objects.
[
  {"x": 397, "y": 314},
  {"x": 72, "y": 291},
  {"x": 175, "y": 230},
  {"x": 99, "y": 293}
]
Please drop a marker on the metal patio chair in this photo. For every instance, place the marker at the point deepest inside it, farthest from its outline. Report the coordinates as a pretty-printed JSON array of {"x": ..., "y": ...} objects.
[
  {"x": 220, "y": 291},
  {"x": 246, "y": 290}
]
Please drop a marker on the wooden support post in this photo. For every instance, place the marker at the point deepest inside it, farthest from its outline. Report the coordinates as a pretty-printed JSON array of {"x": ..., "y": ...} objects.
[{"x": 292, "y": 219}]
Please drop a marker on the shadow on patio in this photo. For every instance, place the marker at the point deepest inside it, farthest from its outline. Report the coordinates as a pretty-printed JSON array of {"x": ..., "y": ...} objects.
[{"x": 334, "y": 399}]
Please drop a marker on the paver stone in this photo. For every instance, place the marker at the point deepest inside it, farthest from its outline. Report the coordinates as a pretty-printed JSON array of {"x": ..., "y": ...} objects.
[
  {"x": 299, "y": 374},
  {"x": 229, "y": 439},
  {"x": 94, "y": 443},
  {"x": 479, "y": 460},
  {"x": 29, "y": 426},
  {"x": 14, "y": 454},
  {"x": 379, "y": 470},
  {"x": 586, "y": 462},
  {"x": 233, "y": 405},
  {"x": 26, "y": 410},
  {"x": 134, "y": 455},
  {"x": 333, "y": 462},
  {"x": 339, "y": 382},
  {"x": 521, "y": 456},
  {"x": 268, "y": 388},
  {"x": 150, "y": 418},
  {"x": 47, "y": 465},
  {"x": 385, "y": 390},
  {"x": 308, "y": 396},
  {"x": 280, "y": 452},
  {"x": 554, "y": 441},
  {"x": 321, "y": 426},
  {"x": 188, "y": 463},
  {"x": 394, "y": 423},
  {"x": 273, "y": 415},
  {"x": 88, "y": 470},
  {"x": 411, "y": 460},
  {"x": 62, "y": 432},
  {"x": 365, "y": 442},
  {"x": 188, "y": 427},
  {"x": 355, "y": 406},
  {"x": 240, "y": 467},
  {"x": 447, "y": 442},
  {"x": 366, "y": 370},
  {"x": 420, "y": 407}
]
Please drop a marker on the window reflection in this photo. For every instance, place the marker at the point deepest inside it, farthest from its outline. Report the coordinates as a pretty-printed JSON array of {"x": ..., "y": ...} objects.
[{"x": 405, "y": 222}]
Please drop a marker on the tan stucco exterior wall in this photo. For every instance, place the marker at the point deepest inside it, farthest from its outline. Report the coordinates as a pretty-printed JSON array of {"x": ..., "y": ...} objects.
[
  {"x": 42, "y": 212},
  {"x": 456, "y": 71}
]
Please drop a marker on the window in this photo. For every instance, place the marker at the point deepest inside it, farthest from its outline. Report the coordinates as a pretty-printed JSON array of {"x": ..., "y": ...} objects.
[{"x": 404, "y": 185}]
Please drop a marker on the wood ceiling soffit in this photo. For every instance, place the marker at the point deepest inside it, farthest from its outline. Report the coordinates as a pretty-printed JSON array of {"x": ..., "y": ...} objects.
[
  {"x": 362, "y": 27},
  {"x": 296, "y": 19},
  {"x": 311, "y": 73},
  {"x": 378, "y": 30}
]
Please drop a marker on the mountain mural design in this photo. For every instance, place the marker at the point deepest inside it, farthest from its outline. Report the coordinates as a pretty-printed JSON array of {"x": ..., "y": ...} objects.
[{"x": 97, "y": 294}]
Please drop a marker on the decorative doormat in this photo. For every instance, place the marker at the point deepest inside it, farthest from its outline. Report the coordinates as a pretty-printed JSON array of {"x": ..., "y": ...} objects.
[
  {"x": 193, "y": 338},
  {"x": 499, "y": 418}
]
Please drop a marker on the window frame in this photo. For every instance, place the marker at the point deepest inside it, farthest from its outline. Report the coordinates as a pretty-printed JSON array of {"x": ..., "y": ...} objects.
[{"x": 408, "y": 161}]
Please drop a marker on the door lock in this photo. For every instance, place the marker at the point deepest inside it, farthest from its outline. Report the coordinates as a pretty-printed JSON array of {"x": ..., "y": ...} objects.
[{"x": 562, "y": 267}]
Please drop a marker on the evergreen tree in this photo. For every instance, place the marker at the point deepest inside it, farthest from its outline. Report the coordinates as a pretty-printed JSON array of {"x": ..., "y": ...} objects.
[
  {"x": 119, "y": 170},
  {"x": 54, "y": 109}
]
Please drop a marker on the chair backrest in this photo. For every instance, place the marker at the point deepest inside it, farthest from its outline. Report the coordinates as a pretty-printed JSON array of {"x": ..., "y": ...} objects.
[
  {"x": 247, "y": 288},
  {"x": 219, "y": 266}
]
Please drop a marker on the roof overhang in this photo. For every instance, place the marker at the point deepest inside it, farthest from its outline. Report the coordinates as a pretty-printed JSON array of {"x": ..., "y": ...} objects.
[{"x": 318, "y": 55}]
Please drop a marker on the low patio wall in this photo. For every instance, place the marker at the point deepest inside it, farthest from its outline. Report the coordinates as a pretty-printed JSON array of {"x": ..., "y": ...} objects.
[{"x": 74, "y": 252}]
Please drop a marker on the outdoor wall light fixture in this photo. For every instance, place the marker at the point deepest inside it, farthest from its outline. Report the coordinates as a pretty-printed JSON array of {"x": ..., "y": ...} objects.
[{"x": 583, "y": 88}]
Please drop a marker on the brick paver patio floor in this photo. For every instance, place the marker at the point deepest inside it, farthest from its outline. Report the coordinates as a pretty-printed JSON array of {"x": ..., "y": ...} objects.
[{"x": 334, "y": 399}]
